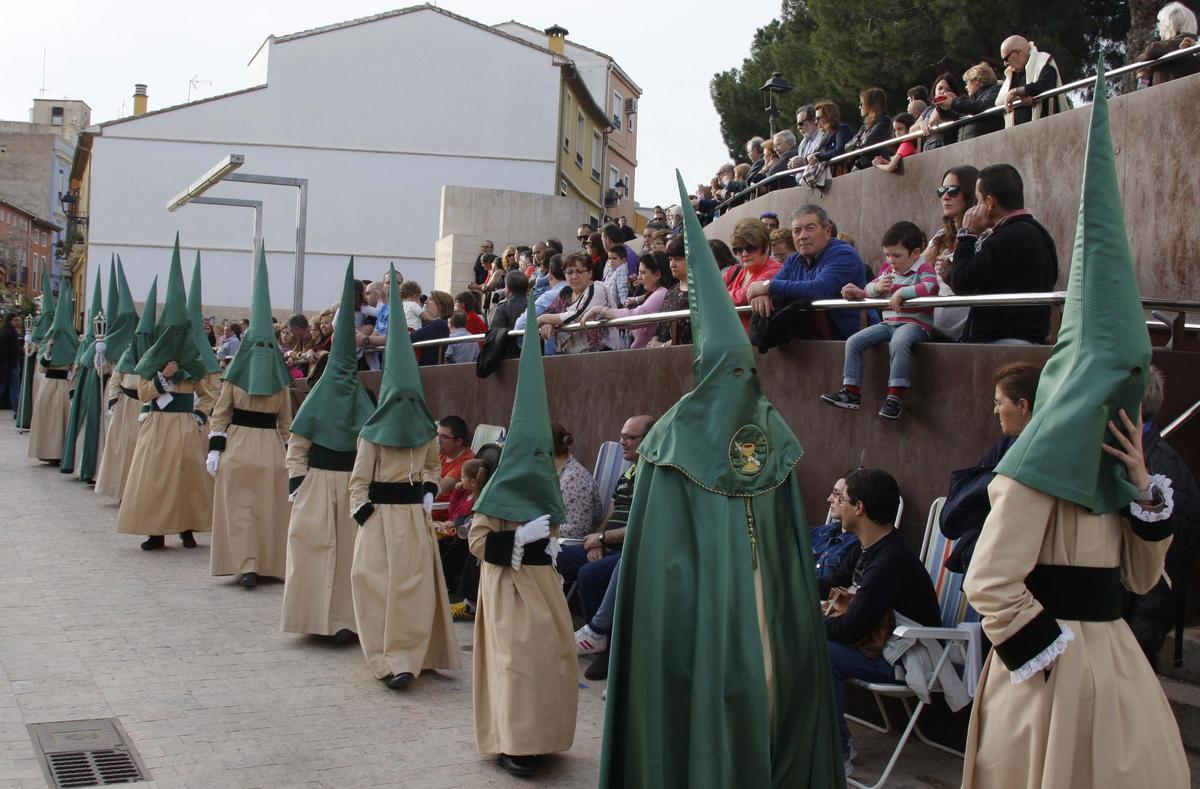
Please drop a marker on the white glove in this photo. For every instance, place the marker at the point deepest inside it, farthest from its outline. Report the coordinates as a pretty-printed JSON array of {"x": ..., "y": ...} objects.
[
  {"x": 211, "y": 463},
  {"x": 536, "y": 529},
  {"x": 427, "y": 503}
]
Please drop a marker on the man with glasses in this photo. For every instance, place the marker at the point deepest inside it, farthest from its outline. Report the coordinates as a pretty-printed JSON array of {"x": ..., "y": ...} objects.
[
  {"x": 581, "y": 235},
  {"x": 594, "y": 561},
  {"x": 1027, "y": 73},
  {"x": 833, "y": 546},
  {"x": 453, "y": 451}
]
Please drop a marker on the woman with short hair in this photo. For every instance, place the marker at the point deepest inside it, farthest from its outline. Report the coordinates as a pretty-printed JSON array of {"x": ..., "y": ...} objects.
[
  {"x": 578, "y": 488},
  {"x": 655, "y": 273},
  {"x": 584, "y": 295},
  {"x": 751, "y": 246},
  {"x": 982, "y": 88}
]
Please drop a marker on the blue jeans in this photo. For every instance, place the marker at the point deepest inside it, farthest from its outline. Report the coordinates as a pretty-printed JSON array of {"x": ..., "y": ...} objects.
[
  {"x": 848, "y": 663},
  {"x": 602, "y": 620},
  {"x": 592, "y": 576},
  {"x": 900, "y": 337},
  {"x": 14, "y": 387}
]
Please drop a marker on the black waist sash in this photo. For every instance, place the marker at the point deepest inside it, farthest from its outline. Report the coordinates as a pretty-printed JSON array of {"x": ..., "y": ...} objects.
[
  {"x": 394, "y": 492},
  {"x": 330, "y": 459},
  {"x": 259, "y": 419},
  {"x": 58, "y": 375},
  {"x": 129, "y": 392},
  {"x": 1082, "y": 594},
  {"x": 181, "y": 403}
]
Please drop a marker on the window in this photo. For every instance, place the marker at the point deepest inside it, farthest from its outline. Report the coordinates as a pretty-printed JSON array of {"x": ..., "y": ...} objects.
[
  {"x": 579, "y": 137},
  {"x": 618, "y": 109},
  {"x": 562, "y": 186},
  {"x": 597, "y": 154},
  {"x": 56, "y": 116},
  {"x": 613, "y": 177}
]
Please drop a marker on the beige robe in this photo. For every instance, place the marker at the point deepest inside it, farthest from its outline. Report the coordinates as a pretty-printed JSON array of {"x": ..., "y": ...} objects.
[
  {"x": 1101, "y": 718},
  {"x": 48, "y": 422},
  {"x": 165, "y": 491},
  {"x": 121, "y": 436},
  {"x": 526, "y": 670},
  {"x": 205, "y": 403},
  {"x": 320, "y": 548},
  {"x": 400, "y": 601},
  {"x": 250, "y": 502}
]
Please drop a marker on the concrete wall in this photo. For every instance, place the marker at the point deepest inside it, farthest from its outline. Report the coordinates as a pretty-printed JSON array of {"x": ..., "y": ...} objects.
[
  {"x": 1152, "y": 136},
  {"x": 360, "y": 113},
  {"x": 469, "y": 215}
]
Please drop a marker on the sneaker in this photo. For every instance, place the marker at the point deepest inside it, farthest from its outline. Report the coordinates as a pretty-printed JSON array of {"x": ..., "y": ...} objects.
[
  {"x": 848, "y": 766},
  {"x": 598, "y": 668},
  {"x": 589, "y": 642},
  {"x": 843, "y": 398},
  {"x": 461, "y": 612},
  {"x": 892, "y": 406}
]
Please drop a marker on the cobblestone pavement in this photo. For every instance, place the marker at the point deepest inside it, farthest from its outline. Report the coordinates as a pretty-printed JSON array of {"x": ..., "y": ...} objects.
[{"x": 208, "y": 688}]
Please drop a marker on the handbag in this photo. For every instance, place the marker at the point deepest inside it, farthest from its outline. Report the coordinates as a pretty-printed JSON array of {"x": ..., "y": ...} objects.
[
  {"x": 872, "y": 643},
  {"x": 788, "y": 321},
  {"x": 493, "y": 352}
]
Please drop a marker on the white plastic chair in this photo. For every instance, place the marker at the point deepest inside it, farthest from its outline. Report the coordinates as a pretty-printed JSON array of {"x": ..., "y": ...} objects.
[
  {"x": 960, "y": 636},
  {"x": 487, "y": 434}
]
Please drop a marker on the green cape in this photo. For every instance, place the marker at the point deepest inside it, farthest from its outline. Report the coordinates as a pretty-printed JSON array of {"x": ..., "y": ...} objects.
[
  {"x": 173, "y": 340},
  {"x": 402, "y": 418},
  {"x": 258, "y": 366},
  {"x": 143, "y": 334},
  {"x": 46, "y": 319},
  {"x": 195, "y": 300},
  {"x": 87, "y": 348},
  {"x": 525, "y": 485},
  {"x": 337, "y": 407},
  {"x": 122, "y": 319},
  {"x": 60, "y": 343},
  {"x": 1100, "y": 362},
  {"x": 82, "y": 418},
  {"x": 714, "y": 498}
]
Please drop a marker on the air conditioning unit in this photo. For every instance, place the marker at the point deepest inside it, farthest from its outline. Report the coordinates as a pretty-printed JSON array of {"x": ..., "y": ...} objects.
[{"x": 631, "y": 106}]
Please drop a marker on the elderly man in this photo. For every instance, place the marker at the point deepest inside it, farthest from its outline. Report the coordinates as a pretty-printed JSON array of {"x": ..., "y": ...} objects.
[
  {"x": 810, "y": 136},
  {"x": 1027, "y": 73},
  {"x": 1001, "y": 248},
  {"x": 819, "y": 268},
  {"x": 754, "y": 150},
  {"x": 785, "y": 149}
]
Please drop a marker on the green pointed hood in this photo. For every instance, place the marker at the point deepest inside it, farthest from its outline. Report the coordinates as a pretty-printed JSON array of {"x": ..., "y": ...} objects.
[
  {"x": 122, "y": 318},
  {"x": 402, "y": 418},
  {"x": 46, "y": 318},
  {"x": 87, "y": 348},
  {"x": 337, "y": 407},
  {"x": 112, "y": 298},
  {"x": 724, "y": 435},
  {"x": 258, "y": 366},
  {"x": 525, "y": 486},
  {"x": 195, "y": 301},
  {"x": 174, "y": 340},
  {"x": 143, "y": 334},
  {"x": 1101, "y": 359},
  {"x": 60, "y": 343}
]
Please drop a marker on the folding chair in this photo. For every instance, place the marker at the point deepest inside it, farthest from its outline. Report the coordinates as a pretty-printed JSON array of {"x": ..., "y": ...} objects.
[
  {"x": 960, "y": 635},
  {"x": 610, "y": 465},
  {"x": 487, "y": 434}
]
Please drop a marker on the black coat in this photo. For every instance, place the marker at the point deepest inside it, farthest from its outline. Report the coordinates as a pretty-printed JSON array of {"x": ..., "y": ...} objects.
[
  {"x": 882, "y": 130},
  {"x": 973, "y": 105},
  {"x": 1019, "y": 256},
  {"x": 967, "y": 505}
]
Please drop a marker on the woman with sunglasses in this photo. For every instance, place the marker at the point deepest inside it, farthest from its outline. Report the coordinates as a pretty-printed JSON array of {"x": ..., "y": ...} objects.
[
  {"x": 585, "y": 294},
  {"x": 751, "y": 243},
  {"x": 957, "y": 194}
]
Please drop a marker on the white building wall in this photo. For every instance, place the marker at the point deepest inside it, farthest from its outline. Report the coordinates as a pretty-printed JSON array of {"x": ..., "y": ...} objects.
[{"x": 377, "y": 116}]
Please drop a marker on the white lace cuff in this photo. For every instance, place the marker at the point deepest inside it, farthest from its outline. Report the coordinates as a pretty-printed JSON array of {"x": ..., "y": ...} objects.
[
  {"x": 1044, "y": 659},
  {"x": 218, "y": 433},
  {"x": 1162, "y": 484},
  {"x": 165, "y": 383}
]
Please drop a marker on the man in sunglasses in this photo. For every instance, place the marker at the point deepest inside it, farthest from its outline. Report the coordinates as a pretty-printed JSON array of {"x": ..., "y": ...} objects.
[
  {"x": 1027, "y": 73},
  {"x": 582, "y": 234}
]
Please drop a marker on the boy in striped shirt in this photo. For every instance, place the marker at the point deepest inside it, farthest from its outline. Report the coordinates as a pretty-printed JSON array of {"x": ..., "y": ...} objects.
[{"x": 904, "y": 276}]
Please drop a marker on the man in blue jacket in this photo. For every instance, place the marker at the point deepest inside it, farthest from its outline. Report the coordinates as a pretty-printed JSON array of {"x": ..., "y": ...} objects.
[{"x": 818, "y": 269}]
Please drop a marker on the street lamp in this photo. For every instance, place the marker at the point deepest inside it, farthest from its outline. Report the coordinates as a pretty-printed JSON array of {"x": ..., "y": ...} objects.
[
  {"x": 773, "y": 91},
  {"x": 100, "y": 331}
]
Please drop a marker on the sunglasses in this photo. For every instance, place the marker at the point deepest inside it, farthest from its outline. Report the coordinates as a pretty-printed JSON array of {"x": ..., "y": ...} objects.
[
  {"x": 581, "y": 238},
  {"x": 740, "y": 250},
  {"x": 948, "y": 190}
]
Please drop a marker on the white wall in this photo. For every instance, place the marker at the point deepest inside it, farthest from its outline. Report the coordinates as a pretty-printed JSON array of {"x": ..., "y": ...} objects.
[{"x": 376, "y": 116}]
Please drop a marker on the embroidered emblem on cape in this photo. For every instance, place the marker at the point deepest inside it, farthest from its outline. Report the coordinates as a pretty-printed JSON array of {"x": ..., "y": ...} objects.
[{"x": 748, "y": 450}]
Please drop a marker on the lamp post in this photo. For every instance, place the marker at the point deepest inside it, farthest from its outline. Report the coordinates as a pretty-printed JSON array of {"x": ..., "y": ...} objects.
[
  {"x": 773, "y": 91},
  {"x": 100, "y": 329}
]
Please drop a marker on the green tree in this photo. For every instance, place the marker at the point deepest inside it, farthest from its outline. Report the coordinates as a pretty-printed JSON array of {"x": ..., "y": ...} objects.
[{"x": 835, "y": 48}]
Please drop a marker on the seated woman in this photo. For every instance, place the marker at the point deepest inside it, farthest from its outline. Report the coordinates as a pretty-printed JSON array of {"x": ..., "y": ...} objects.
[
  {"x": 982, "y": 88},
  {"x": 439, "y": 307},
  {"x": 751, "y": 244},
  {"x": 677, "y": 332},
  {"x": 901, "y": 125},
  {"x": 876, "y": 127},
  {"x": 956, "y": 195},
  {"x": 584, "y": 295},
  {"x": 782, "y": 243},
  {"x": 578, "y": 488},
  {"x": 655, "y": 275},
  {"x": 946, "y": 89}
]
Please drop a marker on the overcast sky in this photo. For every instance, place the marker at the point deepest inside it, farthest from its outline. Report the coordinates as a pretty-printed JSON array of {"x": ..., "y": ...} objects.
[{"x": 96, "y": 51}]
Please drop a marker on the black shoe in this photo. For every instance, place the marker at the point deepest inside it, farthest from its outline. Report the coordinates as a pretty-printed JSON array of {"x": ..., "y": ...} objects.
[
  {"x": 153, "y": 543},
  {"x": 598, "y": 668},
  {"x": 387, "y": 679},
  {"x": 249, "y": 580},
  {"x": 343, "y": 636},
  {"x": 189, "y": 540},
  {"x": 892, "y": 406},
  {"x": 518, "y": 766},
  {"x": 400, "y": 681},
  {"x": 843, "y": 398}
]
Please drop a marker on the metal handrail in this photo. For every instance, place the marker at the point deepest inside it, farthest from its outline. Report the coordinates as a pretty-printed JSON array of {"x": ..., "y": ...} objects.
[
  {"x": 948, "y": 125},
  {"x": 1181, "y": 420},
  {"x": 992, "y": 300}
]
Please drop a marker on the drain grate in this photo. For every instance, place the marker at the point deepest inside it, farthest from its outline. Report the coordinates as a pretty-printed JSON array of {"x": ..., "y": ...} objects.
[{"x": 86, "y": 753}]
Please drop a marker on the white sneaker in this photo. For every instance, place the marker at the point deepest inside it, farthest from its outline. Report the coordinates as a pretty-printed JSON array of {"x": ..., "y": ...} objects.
[
  {"x": 848, "y": 766},
  {"x": 589, "y": 642}
]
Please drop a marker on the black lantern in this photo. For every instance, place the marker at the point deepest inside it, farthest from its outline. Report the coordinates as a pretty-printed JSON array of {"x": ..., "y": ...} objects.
[{"x": 773, "y": 92}]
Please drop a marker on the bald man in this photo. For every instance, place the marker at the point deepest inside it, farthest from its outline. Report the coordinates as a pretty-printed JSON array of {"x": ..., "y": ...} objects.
[{"x": 1027, "y": 73}]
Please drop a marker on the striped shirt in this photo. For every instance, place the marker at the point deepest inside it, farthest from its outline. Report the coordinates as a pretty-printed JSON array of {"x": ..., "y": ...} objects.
[{"x": 920, "y": 280}]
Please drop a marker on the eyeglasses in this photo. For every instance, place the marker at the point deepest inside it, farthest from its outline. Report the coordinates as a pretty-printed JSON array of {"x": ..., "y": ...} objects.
[
  {"x": 948, "y": 190},
  {"x": 575, "y": 270},
  {"x": 581, "y": 238},
  {"x": 746, "y": 249},
  {"x": 445, "y": 437},
  {"x": 630, "y": 438},
  {"x": 1009, "y": 55},
  {"x": 837, "y": 496}
]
